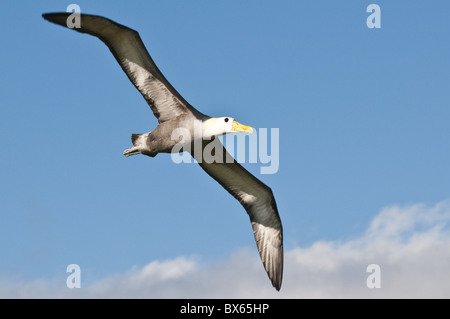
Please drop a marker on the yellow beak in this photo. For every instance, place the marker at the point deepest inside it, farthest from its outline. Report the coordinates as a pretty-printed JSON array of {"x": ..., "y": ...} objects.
[{"x": 238, "y": 127}]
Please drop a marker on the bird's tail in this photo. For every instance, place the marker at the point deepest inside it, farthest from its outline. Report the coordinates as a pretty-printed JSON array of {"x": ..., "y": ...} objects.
[{"x": 138, "y": 142}]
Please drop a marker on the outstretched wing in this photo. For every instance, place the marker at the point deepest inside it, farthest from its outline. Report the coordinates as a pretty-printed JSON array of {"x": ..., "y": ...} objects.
[
  {"x": 128, "y": 49},
  {"x": 257, "y": 199}
]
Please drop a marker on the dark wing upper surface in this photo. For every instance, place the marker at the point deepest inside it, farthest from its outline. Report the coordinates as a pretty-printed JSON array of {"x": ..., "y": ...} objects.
[
  {"x": 258, "y": 201},
  {"x": 129, "y": 50}
]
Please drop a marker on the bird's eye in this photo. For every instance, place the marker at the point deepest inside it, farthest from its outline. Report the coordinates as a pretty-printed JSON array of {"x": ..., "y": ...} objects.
[{"x": 226, "y": 119}]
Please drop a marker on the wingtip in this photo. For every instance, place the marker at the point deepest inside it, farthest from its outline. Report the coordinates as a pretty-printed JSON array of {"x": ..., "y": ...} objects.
[
  {"x": 56, "y": 17},
  {"x": 277, "y": 284},
  {"x": 48, "y": 15},
  {"x": 45, "y": 15}
]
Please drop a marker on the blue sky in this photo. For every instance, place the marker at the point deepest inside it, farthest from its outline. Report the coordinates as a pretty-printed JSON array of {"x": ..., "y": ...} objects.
[{"x": 362, "y": 115}]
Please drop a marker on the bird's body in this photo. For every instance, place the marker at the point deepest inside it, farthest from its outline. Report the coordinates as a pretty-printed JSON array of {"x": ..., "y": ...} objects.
[
  {"x": 159, "y": 141},
  {"x": 182, "y": 127}
]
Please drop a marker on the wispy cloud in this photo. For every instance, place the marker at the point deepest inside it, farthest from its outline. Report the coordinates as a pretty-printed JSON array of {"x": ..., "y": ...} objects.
[{"x": 411, "y": 244}]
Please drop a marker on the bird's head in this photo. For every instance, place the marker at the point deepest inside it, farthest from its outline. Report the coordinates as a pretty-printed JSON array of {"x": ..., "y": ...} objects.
[{"x": 216, "y": 126}]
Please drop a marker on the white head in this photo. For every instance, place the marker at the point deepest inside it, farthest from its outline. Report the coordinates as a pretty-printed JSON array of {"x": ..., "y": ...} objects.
[{"x": 216, "y": 126}]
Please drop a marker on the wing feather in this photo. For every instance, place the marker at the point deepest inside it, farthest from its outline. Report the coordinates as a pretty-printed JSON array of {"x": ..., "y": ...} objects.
[
  {"x": 257, "y": 199},
  {"x": 129, "y": 50}
]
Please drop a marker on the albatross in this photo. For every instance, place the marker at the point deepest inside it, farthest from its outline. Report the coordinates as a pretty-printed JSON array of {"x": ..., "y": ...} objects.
[{"x": 173, "y": 113}]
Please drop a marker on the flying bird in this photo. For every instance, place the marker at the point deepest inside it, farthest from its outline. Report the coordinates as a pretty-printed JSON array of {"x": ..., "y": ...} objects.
[{"x": 173, "y": 113}]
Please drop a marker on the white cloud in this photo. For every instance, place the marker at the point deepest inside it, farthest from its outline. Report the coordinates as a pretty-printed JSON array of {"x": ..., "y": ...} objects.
[{"x": 411, "y": 244}]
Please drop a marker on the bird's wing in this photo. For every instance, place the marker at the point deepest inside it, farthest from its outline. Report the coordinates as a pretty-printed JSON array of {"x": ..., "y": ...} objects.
[
  {"x": 257, "y": 199},
  {"x": 128, "y": 49}
]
